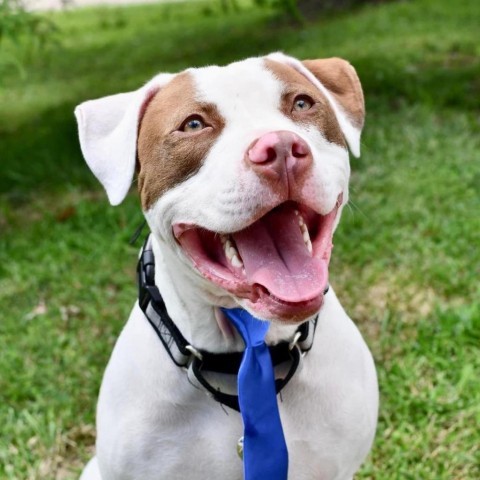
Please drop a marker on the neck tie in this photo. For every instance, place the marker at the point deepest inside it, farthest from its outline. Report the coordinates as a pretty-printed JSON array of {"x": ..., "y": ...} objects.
[{"x": 265, "y": 454}]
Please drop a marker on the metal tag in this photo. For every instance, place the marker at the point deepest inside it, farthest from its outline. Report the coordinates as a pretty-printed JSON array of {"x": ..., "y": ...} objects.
[{"x": 240, "y": 448}]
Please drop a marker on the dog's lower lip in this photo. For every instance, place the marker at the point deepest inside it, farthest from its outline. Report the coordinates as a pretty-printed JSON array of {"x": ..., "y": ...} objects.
[
  {"x": 263, "y": 293},
  {"x": 267, "y": 305}
]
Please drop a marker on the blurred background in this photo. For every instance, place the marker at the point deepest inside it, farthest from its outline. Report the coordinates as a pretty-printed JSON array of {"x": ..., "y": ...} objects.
[{"x": 406, "y": 262}]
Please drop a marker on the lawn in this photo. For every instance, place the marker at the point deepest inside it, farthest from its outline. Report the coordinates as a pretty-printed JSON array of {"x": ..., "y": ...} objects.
[{"x": 406, "y": 262}]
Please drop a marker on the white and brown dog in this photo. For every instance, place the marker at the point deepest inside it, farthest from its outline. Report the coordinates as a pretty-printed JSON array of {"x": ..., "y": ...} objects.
[{"x": 243, "y": 172}]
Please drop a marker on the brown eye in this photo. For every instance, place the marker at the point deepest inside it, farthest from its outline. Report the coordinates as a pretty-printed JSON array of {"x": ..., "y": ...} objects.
[
  {"x": 302, "y": 103},
  {"x": 193, "y": 124}
]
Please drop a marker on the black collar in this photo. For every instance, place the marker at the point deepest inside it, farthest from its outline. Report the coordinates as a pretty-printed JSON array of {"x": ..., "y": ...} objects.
[{"x": 200, "y": 363}]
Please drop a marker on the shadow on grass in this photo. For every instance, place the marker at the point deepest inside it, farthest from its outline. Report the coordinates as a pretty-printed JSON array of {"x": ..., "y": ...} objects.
[{"x": 41, "y": 152}]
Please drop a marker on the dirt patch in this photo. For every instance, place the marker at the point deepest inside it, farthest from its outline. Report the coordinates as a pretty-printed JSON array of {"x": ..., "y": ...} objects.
[
  {"x": 62, "y": 461},
  {"x": 371, "y": 303}
]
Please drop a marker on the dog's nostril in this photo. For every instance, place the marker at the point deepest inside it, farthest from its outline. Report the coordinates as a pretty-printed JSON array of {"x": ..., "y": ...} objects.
[
  {"x": 270, "y": 154},
  {"x": 299, "y": 150}
]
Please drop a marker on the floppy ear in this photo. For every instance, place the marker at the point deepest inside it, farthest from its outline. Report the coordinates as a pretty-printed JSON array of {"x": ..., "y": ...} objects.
[
  {"x": 108, "y": 129},
  {"x": 339, "y": 82}
]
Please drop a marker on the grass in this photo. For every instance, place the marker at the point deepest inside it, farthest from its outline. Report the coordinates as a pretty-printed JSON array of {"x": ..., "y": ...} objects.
[{"x": 406, "y": 262}]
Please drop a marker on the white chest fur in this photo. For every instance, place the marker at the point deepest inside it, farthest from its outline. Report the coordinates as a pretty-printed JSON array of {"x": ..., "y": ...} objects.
[{"x": 152, "y": 424}]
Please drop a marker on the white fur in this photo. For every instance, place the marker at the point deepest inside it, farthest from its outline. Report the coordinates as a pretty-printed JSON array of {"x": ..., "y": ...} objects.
[{"x": 152, "y": 424}]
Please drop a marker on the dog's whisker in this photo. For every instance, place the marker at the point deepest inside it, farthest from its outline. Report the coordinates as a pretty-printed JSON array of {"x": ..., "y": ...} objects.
[{"x": 354, "y": 205}]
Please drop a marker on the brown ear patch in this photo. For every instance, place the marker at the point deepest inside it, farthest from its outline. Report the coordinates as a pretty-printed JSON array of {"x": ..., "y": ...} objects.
[
  {"x": 341, "y": 79},
  {"x": 321, "y": 115},
  {"x": 166, "y": 155}
]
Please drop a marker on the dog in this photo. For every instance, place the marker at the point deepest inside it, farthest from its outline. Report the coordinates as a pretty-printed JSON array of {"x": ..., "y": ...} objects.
[{"x": 243, "y": 172}]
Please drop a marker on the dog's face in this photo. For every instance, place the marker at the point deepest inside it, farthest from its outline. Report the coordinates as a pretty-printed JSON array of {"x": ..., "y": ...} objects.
[{"x": 242, "y": 172}]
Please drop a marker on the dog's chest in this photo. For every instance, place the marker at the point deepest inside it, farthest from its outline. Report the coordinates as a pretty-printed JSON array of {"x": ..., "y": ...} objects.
[
  {"x": 171, "y": 430},
  {"x": 202, "y": 445}
]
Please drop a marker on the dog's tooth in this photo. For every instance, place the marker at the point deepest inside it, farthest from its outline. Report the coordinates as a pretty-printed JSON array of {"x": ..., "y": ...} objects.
[
  {"x": 229, "y": 249},
  {"x": 296, "y": 212},
  {"x": 309, "y": 246},
  {"x": 305, "y": 233},
  {"x": 306, "y": 236},
  {"x": 306, "y": 239},
  {"x": 232, "y": 254},
  {"x": 236, "y": 262}
]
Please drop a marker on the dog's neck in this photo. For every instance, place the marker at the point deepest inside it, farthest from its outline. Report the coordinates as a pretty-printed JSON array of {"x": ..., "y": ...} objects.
[{"x": 192, "y": 307}]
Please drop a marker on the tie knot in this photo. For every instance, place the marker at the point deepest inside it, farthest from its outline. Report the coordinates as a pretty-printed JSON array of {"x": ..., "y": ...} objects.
[{"x": 251, "y": 329}]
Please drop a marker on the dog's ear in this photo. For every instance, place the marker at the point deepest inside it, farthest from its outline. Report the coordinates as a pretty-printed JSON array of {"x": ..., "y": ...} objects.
[
  {"x": 339, "y": 82},
  {"x": 108, "y": 129}
]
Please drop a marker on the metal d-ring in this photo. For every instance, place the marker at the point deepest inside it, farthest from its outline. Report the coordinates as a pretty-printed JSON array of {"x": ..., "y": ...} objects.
[
  {"x": 295, "y": 340},
  {"x": 194, "y": 351}
]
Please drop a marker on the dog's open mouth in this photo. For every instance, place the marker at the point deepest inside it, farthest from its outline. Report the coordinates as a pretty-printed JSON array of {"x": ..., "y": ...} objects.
[{"x": 279, "y": 263}]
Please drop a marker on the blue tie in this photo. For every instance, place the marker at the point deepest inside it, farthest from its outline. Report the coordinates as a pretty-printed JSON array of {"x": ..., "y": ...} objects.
[{"x": 265, "y": 454}]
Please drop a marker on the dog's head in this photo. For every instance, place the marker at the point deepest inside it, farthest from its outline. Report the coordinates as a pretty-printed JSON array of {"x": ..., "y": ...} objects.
[{"x": 242, "y": 171}]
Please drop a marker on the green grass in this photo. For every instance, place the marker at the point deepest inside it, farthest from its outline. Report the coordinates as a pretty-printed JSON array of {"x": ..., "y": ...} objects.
[{"x": 406, "y": 262}]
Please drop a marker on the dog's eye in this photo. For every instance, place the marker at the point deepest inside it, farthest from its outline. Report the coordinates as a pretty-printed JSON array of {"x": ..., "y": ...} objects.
[
  {"x": 302, "y": 103},
  {"x": 193, "y": 124}
]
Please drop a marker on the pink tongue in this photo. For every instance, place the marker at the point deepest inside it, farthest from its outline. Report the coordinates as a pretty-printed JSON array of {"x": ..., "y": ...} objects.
[{"x": 275, "y": 256}]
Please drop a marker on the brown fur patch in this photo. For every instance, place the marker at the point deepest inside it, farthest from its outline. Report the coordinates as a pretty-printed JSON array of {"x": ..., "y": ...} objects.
[
  {"x": 320, "y": 115},
  {"x": 167, "y": 156},
  {"x": 341, "y": 79}
]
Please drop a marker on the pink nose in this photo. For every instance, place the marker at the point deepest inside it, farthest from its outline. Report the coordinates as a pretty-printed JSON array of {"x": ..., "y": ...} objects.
[{"x": 278, "y": 152}]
